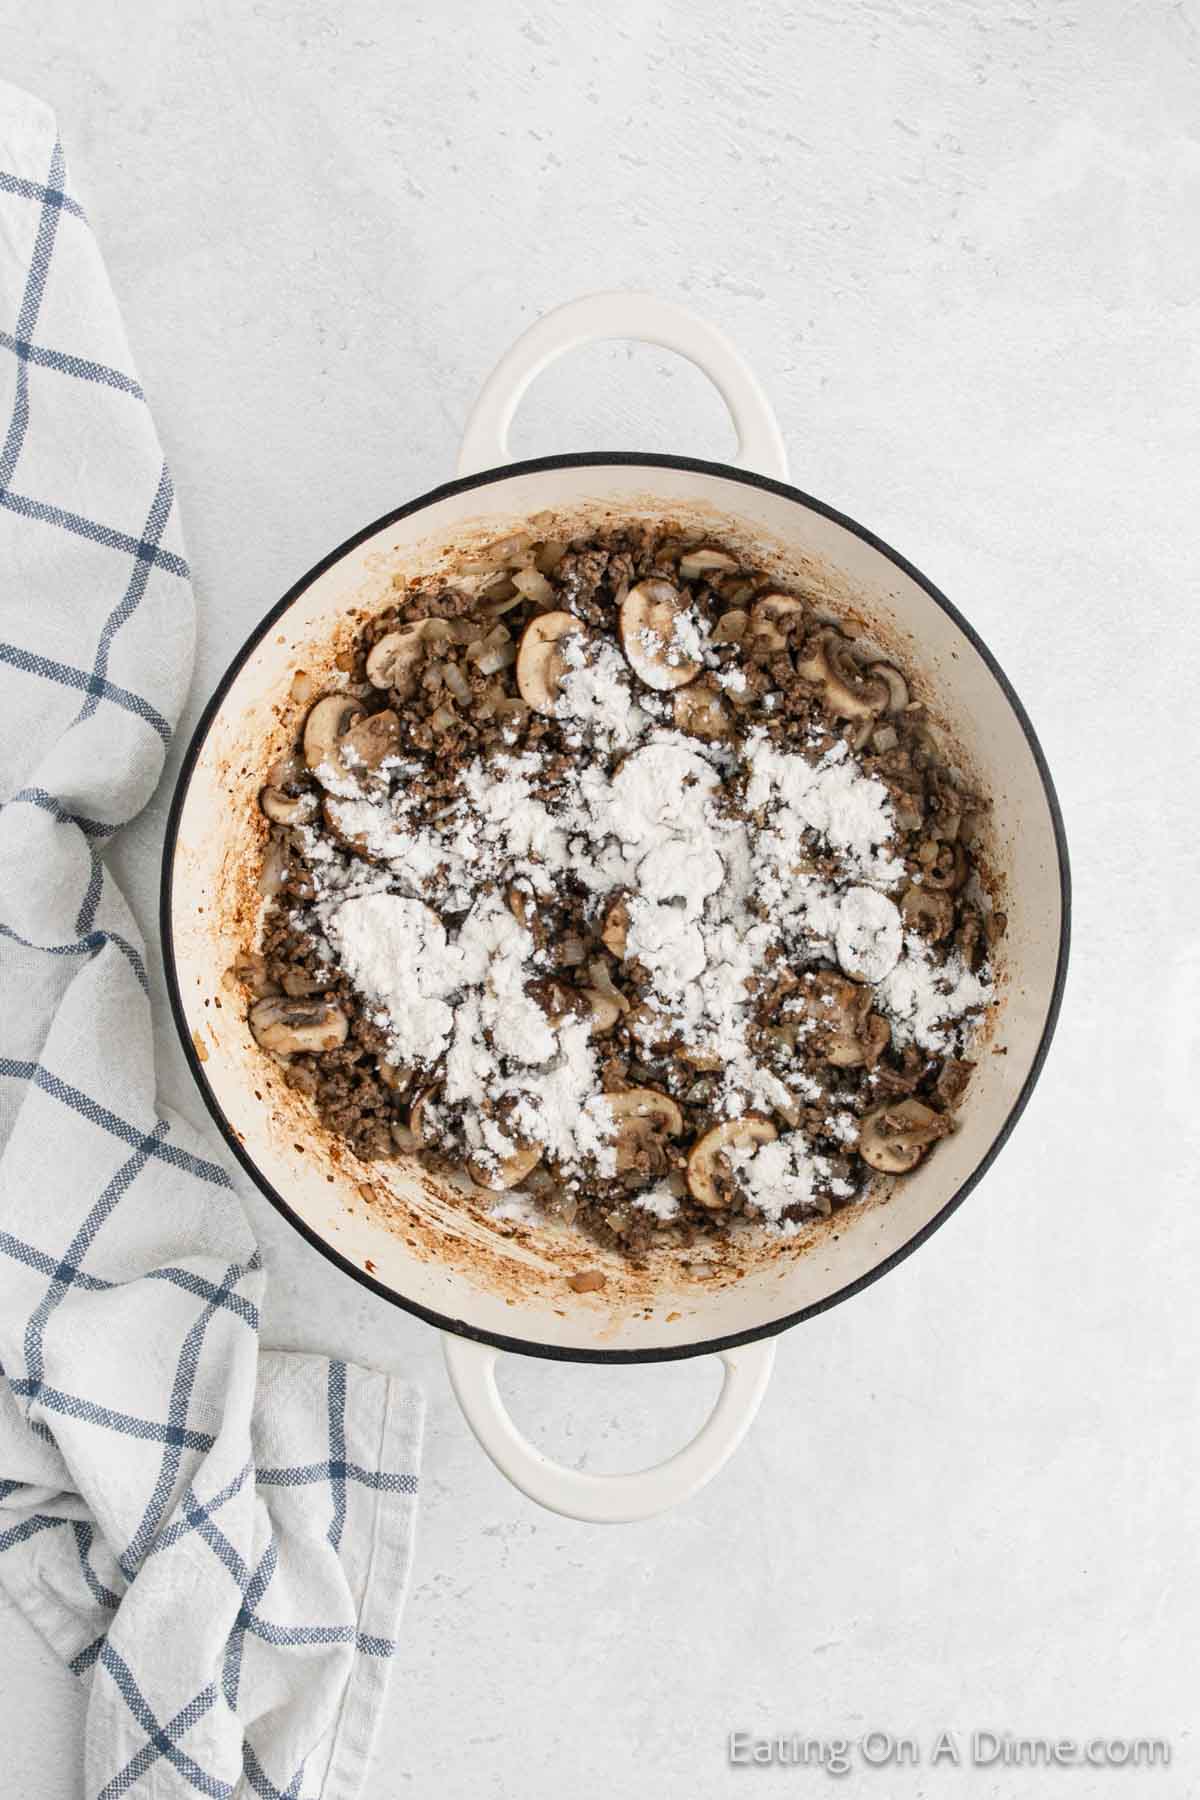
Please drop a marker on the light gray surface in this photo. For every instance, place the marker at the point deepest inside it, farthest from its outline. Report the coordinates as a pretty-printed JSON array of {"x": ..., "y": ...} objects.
[{"x": 960, "y": 244}]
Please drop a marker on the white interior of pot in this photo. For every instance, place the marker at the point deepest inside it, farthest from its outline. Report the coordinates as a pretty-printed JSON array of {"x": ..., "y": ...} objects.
[{"x": 409, "y": 1231}]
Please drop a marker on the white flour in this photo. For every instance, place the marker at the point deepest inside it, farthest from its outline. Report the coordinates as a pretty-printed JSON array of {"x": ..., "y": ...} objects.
[
  {"x": 784, "y": 1173},
  {"x": 596, "y": 694},
  {"x": 924, "y": 1001},
  {"x": 716, "y": 896}
]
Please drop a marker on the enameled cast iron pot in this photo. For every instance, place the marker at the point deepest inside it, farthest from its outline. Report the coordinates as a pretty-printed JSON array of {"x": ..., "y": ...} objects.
[{"x": 492, "y": 1286}]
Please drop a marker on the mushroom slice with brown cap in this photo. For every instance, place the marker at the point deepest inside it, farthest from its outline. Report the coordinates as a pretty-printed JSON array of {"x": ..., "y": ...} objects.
[
  {"x": 540, "y": 664},
  {"x": 643, "y": 1118},
  {"x": 290, "y": 1027},
  {"x": 850, "y": 693},
  {"x": 929, "y": 911},
  {"x": 395, "y": 661},
  {"x": 287, "y": 809},
  {"x": 893, "y": 1138},
  {"x": 706, "y": 559},
  {"x": 370, "y": 741},
  {"x": 509, "y": 1171},
  {"x": 326, "y": 725},
  {"x": 701, "y": 712},
  {"x": 647, "y": 623},
  {"x": 709, "y": 1174},
  {"x": 767, "y": 617}
]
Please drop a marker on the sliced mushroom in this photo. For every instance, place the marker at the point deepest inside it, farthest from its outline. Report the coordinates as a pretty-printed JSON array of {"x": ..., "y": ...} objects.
[
  {"x": 927, "y": 910},
  {"x": 644, "y": 1117},
  {"x": 520, "y": 903},
  {"x": 540, "y": 664},
  {"x": 894, "y": 1137},
  {"x": 767, "y": 618},
  {"x": 370, "y": 741},
  {"x": 395, "y": 661},
  {"x": 709, "y": 1174},
  {"x": 700, "y": 711},
  {"x": 895, "y": 683},
  {"x": 287, "y": 809},
  {"x": 288, "y": 1027},
  {"x": 850, "y": 693},
  {"x": 326, "y": 725},
  {"x": 647, "y": 623},
  {"x": 509, "y": 1171},
  {"x": 706, "y": 559},
  {"x": 615, "y": 931}
]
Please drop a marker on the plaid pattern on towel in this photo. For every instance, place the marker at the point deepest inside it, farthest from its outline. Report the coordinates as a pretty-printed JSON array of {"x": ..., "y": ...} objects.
[{"x": 215, "y": 1538}]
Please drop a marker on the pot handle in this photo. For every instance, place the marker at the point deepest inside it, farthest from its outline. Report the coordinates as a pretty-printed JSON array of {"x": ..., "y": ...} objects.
[
  {"x": 623, "y": 315},
  {"x": 608, "y": 1499}
]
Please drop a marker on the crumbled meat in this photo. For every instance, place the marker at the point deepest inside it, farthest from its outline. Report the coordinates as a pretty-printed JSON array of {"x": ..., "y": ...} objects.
[{"x": 813, "y": 1025}]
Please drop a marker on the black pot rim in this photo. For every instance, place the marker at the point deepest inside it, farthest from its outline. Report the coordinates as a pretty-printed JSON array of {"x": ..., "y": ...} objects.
[{"x": 463, "y": 1327}]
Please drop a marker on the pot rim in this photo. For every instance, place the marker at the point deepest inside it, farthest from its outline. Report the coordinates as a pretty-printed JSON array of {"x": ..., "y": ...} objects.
[{"x": 483, "y": 479}]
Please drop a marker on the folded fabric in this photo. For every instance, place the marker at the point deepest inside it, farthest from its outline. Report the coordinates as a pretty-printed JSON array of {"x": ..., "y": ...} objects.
[{"x": 216, "y": 1538}]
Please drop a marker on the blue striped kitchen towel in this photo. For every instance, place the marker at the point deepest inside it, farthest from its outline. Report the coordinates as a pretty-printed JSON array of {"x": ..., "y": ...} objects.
[{"x": 214, "y": 1537}]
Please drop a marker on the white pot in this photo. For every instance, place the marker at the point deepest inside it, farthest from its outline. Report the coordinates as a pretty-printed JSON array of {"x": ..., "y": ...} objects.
[{"x": 396, "y": 1228}]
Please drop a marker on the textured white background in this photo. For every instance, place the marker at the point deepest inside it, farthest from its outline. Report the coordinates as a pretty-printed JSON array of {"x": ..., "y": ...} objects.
[{"x": 959, "y": 242}]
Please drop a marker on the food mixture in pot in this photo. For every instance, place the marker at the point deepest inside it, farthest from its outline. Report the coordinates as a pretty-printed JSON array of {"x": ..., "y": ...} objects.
[{"x": 617, "y": 876}]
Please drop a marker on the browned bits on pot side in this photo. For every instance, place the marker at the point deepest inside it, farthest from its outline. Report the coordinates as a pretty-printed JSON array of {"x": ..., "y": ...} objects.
[{"x": 458, "y": 670}]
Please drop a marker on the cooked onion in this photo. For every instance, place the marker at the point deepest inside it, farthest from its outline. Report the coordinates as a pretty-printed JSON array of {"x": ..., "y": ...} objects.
[
  {"x": 533, "y": 584},
  {"x": 549, "y": 555}
]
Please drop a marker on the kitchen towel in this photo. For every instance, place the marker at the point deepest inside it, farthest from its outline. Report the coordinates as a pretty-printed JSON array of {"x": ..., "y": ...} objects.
[{"x": 214, "y": 1537}]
